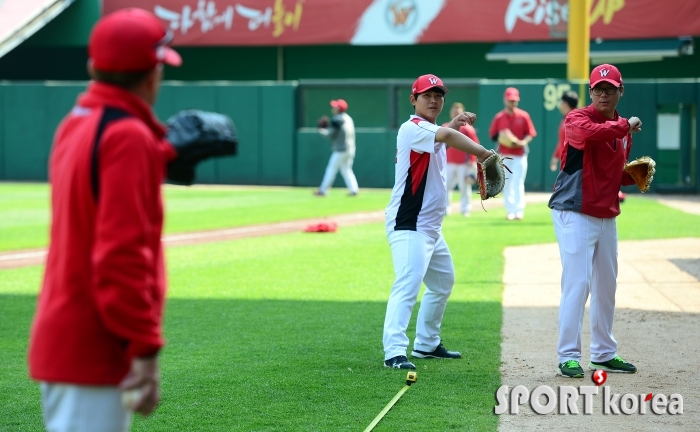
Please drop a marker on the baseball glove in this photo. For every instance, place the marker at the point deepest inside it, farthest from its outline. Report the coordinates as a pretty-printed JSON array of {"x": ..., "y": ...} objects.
[
  {"x": 491, "y": 176},
  {"x": 642, "y": 172},
  {"x": 196, "y": 136},
  {"x": 323, "y": 122}
]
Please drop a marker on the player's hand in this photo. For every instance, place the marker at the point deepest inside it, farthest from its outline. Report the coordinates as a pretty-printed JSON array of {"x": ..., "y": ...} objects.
[
  {"x": 144, "y": 375},
  {"x": 635, "y": 124},
  {"x": 553, "y": 164},
  {"x": 462, "y": 119}
]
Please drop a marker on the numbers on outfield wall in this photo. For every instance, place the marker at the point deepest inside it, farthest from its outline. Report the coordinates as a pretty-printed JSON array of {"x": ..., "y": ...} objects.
[{"x": 552, "y": 93}]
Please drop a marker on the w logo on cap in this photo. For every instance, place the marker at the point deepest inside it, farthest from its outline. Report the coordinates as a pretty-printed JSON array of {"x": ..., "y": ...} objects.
[
  {"x": 604, "y": 72},
  {"x": 433, "y": 80}
]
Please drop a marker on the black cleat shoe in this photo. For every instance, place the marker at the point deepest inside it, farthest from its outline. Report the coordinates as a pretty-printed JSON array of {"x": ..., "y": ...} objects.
[
  {"x": 439, "y": 352},
  {"x": 399, "y": 362}
]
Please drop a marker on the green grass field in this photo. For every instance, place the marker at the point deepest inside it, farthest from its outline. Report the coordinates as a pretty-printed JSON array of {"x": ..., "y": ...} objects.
[
  {"x": 283, "y": 333},
  {"x": 24, "y": 208}
]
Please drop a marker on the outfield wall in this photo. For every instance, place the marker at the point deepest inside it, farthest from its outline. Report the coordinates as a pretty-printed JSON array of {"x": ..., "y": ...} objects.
[{"x": 280, "y": 145}]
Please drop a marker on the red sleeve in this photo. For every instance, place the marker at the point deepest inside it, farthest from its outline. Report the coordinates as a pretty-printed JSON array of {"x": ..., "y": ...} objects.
[
  {"x": 580, "y": 129},
  {"x": 471, "y": 133},
  {"x": 124, "y": 262},
  {"x": 627, "y": 180},
  {"x": 495, "y": 127},
  {"x": 530, "y": 127},
  {"x": 560, "y": 144}
]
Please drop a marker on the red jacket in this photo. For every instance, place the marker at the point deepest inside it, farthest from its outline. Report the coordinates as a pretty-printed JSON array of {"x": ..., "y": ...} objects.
[
  {"x": 519, "y": 123},
  {"x": 595, "y": 151},
  {"x": 560, "y": 143},
  {"x": 455, "y": 156},
  {"x": 103, "y": 292}
]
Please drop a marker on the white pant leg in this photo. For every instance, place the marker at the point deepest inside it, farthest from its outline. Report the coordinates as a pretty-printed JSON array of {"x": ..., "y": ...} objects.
[
  {"x": 471, "y": 173},
  {"x": 577, "y": 235},
  {"x": 520, "y": 192},
  {"x": 331, "y": 171},
  {"x": 439, "y": 280},
  {"x": 603, "y": 288},
  {"x": 514, "y": 189},
  {"x": 451, "y": 181},
  {"x": 73, "y": 408},
  {"x": 462, "y": 186},
  {"x": 346, "y": 160},
  {"x": 411, "y": 253}
]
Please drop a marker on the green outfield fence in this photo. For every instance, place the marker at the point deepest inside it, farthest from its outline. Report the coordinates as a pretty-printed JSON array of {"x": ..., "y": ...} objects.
[{"x": 280, "y": 145}]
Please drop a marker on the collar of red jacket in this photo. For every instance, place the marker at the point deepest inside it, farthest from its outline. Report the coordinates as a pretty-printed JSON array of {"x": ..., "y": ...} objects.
[
  {"x": 590, "y": 108},
  {"x": 102, "y": 94}
]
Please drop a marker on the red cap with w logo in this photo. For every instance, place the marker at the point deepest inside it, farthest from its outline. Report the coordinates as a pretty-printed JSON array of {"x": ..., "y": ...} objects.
[
  {"x": 427, "y": 82},
  {"x": 606, "y": 72}
]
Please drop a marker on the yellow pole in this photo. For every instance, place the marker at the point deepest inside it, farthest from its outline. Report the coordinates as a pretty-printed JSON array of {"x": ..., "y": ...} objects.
[{"x": 578, "y": 43}]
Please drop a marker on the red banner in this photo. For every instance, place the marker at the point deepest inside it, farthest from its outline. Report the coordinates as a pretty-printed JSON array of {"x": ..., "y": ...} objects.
[{"x": 395, "y": 22}]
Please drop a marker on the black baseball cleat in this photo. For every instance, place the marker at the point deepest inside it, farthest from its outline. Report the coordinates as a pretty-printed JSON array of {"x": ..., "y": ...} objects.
[
  {"x": 439, "y": 352},
  {"x": 399, "y": 362}
]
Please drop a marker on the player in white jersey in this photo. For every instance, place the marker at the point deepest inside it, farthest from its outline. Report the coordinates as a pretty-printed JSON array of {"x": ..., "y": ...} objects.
[{"x": 414, "y": 225}]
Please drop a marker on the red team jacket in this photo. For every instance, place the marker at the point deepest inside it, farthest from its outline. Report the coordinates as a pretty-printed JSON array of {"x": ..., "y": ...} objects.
[
  {"x": 519, "y": 123},
  {"x": 560, "y": 143},
  {"x": 455, "y": 156},
  {"x": 103, "y": 291},
  {"x": 595, "y": 151}
]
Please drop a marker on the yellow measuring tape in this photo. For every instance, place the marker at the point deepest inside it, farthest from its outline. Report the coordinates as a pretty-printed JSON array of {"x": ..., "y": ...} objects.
[{"x": 411, "y": 378}]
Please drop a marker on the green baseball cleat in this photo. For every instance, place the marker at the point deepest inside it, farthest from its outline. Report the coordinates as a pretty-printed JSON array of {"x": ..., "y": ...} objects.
[
  {"x": 616, "y": 364},
  {"x": 571, "y": 369}
]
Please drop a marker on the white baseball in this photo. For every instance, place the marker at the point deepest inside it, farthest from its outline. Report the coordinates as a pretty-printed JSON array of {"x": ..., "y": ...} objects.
[{"x": 131, "y": 397}]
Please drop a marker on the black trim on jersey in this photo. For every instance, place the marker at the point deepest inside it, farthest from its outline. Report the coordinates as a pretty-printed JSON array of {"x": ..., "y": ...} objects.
[
  {"x": 407, "y": 214},
  {"x": 574, "y": 160},
  {"x": 108, "y": 116}
]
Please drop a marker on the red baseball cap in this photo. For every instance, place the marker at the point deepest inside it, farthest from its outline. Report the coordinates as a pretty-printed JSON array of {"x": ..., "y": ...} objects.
[
  {"x": 427, "y": 82},
  {"x": 606, "y": 72},
  {"x": 512, "y": 93},
  {"x": 340, "y": 104},
  {"x": 130, "y": 40}
]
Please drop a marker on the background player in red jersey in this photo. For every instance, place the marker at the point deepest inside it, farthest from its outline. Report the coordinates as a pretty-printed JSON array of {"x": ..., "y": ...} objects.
[
  {"x": 568, "y": 102},
  {"x": 512, "y": 128},
  {"x": 461, "y": 167}
]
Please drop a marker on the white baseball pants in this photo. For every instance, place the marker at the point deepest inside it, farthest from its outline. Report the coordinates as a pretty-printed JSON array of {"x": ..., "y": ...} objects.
[
  {"x": 417, "y": 258},
  {"x": 340, "y": 161},
  {"x": 456, "y": 176},
  {"x": 514, "y": 189},
  {"x": 588, "y": 251},
  {"x": 74, "y": 408}
]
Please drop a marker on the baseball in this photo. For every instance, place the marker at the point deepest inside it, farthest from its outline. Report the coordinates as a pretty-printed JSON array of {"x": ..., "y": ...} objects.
[{"x": 131, "y": 397}]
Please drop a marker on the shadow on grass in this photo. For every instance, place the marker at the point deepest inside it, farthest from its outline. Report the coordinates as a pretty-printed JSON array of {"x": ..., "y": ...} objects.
[{"x": 277, "y": 365}]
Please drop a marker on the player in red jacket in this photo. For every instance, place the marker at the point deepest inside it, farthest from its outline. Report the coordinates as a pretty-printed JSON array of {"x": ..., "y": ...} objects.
[
  {"x": 461, "y": 167},
  {"x": 98, "y": 325},
  {"x": 512, "y": 128},
  {"x": 584, "y": 206}
]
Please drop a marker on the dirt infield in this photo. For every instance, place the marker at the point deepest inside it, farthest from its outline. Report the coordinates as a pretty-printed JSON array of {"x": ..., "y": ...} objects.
[{"x": 656, "y": 325}]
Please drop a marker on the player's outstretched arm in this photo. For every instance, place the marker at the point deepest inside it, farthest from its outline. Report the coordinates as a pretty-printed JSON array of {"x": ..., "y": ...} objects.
[{"x": 461, "y": 142}]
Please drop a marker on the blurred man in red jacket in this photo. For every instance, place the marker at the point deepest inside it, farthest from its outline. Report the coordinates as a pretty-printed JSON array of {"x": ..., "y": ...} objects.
[
  {"x": 98, "y": 325},
  {"x": 512, "y": 128}
]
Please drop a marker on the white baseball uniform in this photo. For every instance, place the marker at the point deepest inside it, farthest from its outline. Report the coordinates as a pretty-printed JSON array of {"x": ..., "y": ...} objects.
[{"x": 414, "y": 229}]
